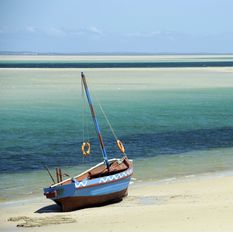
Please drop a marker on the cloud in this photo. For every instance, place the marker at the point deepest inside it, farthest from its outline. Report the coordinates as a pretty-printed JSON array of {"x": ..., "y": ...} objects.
[
  {"x": 90, "y": 31},
  {"x": 53, "y": 31},
  {"x": 56, "y": 31},
  {"x": 168, "y": 36},
  {"x": 66, "y": 32},
  {"x": 94, "y": 30},
  {"x": 18, "y": 31},
  {"x": 31, "y": 29}
]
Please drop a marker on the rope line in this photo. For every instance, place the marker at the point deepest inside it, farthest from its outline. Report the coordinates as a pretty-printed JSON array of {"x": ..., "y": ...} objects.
[{"x": 106, "y": 118}]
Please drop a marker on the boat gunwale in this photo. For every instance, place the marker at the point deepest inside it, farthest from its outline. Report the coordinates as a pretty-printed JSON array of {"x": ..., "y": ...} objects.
[
  {"x": 107, "y": 182},
  {"x": 97, "y": 184},
  {"x": 75, "y": 177}
]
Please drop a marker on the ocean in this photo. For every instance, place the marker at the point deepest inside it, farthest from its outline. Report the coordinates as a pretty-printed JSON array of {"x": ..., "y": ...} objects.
[{"x": 174, "y": 122}]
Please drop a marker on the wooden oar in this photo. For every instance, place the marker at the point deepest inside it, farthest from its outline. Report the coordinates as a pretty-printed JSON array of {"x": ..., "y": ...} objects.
[{"x": 49, "y": 173}]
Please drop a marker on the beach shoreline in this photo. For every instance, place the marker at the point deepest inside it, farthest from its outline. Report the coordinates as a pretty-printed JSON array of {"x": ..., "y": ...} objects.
[{"x": 198, "y": 203}]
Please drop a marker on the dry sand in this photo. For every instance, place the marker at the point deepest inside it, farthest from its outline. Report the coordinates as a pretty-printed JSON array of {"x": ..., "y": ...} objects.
[
  {"x": 114, "y": 57},
  {"x": 191, "y": 204}
]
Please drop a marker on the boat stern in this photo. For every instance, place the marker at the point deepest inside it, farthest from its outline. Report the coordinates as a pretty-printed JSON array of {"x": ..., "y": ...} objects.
[{"x": 50, "y": 193}]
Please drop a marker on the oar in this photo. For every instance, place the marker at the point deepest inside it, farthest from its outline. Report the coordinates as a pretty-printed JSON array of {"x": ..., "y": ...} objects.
[{"x": 49, "y": 173}]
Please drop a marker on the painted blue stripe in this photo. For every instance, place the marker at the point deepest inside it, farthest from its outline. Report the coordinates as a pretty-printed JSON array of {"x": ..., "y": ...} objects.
[
  {"x": 107, "y": 188},
  {"x": 71, "y": 191},
  {"x": 103, "y": 185}
]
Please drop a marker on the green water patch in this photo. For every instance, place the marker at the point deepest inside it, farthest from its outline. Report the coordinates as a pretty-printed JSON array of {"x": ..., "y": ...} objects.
[{"x": 36, "y": 131}]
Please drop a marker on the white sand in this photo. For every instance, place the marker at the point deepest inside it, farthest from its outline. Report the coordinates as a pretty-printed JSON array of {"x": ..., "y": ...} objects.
[
  {"x": 200, "y": 204},
  {"x": 114, "y": 57}
]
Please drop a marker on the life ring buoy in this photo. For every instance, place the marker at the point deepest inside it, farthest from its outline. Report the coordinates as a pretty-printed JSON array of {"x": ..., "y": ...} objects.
[
  {"x": 120, "y": 146},
  {"x": 86, "y": 148}
]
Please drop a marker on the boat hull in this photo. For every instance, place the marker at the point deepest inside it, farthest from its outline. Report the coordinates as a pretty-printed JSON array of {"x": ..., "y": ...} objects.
[
  {"x": 75, "y": 203},
  {"x": 90, "y": 192}
]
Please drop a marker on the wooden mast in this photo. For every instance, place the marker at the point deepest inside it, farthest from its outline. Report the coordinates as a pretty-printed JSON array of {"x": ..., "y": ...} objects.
[{"x": 97, "y": 128}]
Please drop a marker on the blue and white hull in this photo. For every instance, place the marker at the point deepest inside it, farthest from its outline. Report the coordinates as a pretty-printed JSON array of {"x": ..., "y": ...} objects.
[{"x": 72, "y": 194}]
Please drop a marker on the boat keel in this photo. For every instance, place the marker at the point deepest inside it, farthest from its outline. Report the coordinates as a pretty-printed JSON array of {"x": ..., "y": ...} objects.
[{"x": 75, "y": 203}]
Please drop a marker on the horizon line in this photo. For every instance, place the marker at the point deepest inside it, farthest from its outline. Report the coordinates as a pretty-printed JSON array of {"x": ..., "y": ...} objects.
[{"x": 108, "y": 53}]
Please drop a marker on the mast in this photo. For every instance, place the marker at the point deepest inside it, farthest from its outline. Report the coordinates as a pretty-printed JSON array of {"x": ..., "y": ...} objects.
[{"x": 97, "y": 128}]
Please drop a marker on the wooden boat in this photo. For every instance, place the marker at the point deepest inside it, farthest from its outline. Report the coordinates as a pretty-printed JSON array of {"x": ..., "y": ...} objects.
[{"x": 106, "y": 182}]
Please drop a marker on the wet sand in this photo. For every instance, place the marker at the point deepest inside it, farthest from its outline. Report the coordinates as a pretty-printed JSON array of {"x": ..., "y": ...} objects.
[{"x": 189, "y": 204}]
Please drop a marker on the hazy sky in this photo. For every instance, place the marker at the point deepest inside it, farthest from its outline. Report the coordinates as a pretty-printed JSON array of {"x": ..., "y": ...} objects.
[{"x": 155, "y": 26}]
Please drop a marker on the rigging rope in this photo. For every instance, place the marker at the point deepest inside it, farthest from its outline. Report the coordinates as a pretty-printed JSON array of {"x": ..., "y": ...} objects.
[
  {"x": 119, "y": 143},
  {"x": 106, "y": 118},
  {"x": 110, "y": 126}
]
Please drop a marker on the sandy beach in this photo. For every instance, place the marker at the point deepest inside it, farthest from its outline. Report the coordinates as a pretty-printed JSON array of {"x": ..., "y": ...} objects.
[
  {"x": 112, "y": 57},
  {"x": 189, "y": 204}
]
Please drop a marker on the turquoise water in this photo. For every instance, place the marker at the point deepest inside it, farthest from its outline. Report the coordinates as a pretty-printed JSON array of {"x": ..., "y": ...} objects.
[{"x": 169, "y": 132}]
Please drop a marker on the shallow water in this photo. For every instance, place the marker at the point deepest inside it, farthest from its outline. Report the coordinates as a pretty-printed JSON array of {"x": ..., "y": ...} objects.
[{"x": 173, "y": 123}]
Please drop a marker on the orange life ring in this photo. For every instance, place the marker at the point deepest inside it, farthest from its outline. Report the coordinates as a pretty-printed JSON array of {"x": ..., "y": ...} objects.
[
  {"x": 86, "y": 148},
  {"x": 120, "y": 146}
]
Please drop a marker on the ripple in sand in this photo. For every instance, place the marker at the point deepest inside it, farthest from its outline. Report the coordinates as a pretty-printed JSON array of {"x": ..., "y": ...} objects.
[{"x": 39, "y": 222}]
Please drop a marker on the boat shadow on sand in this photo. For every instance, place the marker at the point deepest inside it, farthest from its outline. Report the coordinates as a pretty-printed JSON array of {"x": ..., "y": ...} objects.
[
  {"x": 49, "y": 209},
  {"x": 54, "y": 208}
]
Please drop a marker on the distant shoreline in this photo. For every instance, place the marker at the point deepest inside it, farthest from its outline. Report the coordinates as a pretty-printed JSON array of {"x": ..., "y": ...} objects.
[
  {"x": 114, "y": 61},
  {"x": 112, "y": 64},
  {"x": 53, "y": 64}
]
